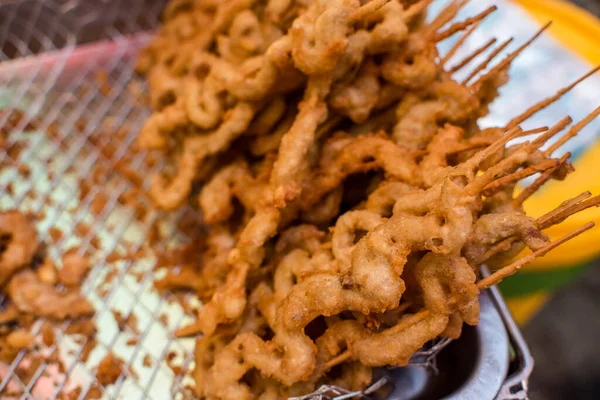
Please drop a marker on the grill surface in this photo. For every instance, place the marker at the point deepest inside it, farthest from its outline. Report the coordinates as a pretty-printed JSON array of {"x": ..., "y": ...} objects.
[{"x": 69, "y": 66}]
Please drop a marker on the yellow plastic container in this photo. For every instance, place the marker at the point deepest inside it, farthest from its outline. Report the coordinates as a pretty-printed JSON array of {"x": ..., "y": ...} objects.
[{"x": 579, "y": 31}]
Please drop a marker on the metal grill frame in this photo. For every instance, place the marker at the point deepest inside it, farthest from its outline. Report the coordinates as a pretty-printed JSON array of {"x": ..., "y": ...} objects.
[{"x": 42, "y": 78}]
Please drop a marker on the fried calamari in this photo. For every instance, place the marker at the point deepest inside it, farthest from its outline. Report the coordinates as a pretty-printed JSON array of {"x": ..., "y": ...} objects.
[{"x": 350, "y": 194}]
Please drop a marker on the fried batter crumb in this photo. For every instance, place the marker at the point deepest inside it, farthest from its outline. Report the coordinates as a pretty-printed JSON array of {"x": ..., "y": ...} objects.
[
  {"x": 88, "y": 347},
  {"x": 85, "y": 327},
  {"x": 75, "y": 268},
  {"x": 74, "y": 394},
  {"x": 164, "y": 319},
  {"x": 114, "y": 256},
  {"x": 47, "y": 334},
  {"x": 119, "y": 319},
  {"x": 47, "y": 273},
  {"x": 147, "y": 361},
  {"x": 83, "y": 229},
  {"x": 94, "y": 393},
  {"x": 99, "y": 203},
  {"x": 132, "y": 323},
  {"x": 20, "y": 340},
  {"x": 24, "y": 170},
  {"x": 109, "y": 369}
]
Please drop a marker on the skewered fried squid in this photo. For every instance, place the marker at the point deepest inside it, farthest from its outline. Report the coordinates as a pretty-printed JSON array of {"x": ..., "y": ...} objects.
[{"x": 351, "y": 195}]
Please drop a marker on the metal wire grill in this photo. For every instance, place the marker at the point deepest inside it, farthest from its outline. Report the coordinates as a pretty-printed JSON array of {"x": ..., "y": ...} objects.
[{"x": 51, "y": 83}]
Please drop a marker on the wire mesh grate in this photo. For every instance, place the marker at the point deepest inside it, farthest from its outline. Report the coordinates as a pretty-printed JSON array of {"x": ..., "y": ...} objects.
[{"x": 64, "y": 90}]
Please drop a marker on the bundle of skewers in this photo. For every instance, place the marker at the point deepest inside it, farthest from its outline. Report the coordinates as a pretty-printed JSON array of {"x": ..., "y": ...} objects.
[{"x": 350, "y": 194}]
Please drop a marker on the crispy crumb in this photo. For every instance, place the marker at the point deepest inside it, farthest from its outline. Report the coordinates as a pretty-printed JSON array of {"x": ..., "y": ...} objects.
[
  {"x": 114, "y": 256},
  {"x": 80, "y": 340},
  {"x": 94, "y": 393},
  {"x": 47, "y": 334},
  {"x": 55, "y": 233},
  {"x": 101, "y": 78},
  {"x": 47, "y": 273},
  {"x": 164, "y": 319},
  {"x": 84, "y": 190},
  {"x": 75, "y": 268},
  {"x": 120, "y": 320},
  {"x": 27, "y": 371},
  {"x": 132, "y": 372},
  {"x": 15, "y": 150},
  {"x": 80, "y": 124},
  {"x": 111, "y": 275},
  {"x": 88, "y": 347},
  {"x": 84, "y": 326},
  {"x": 154, "y": 234},
  {"x": 20, "y": 339},
  {"x": 102, "y": 292},
  {"x": 83, "y": 229},
  {"x": 99, "y": 203},
  {"x": 74, "y": 394},
  {"x": 175, "y": 368},
  {"x": 132, "y": 323},
  {"x": 139, "y": 276},
  {"x": 147, "y": 361},
  {"x": 95, "y": 242},
  {"x": 132, "y": 342},
  {"x": 109, "y": 369},
  {"x": 24, "y": 170}
]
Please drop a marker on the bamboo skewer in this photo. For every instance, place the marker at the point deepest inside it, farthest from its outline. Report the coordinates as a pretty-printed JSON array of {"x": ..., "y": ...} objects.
[{"x": 465, "y": 61}]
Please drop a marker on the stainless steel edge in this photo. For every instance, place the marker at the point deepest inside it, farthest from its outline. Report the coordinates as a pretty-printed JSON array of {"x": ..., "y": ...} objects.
[{"x": 516, "y": 386}]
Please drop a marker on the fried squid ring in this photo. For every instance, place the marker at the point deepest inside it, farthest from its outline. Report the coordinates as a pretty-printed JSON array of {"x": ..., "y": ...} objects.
[
  {"x": 372, "y": 284},
  {"x": 319, "y": 36},
  {"x": 393, "y": 346},
  {"x": 164, "y": 87},
  {"x": 419, "y": 122},
  {"x": 269, "y": 117},
  {"x": 203, "y": 102},
  {"x": 326, "y": 210},
  {"x": 245, "y": 38},
  {"x": 491, "y": 229},
  {"x": 170, "y": 195},
  {"x": 447, "y": 283},
  {"x": 382, "y": 200},
  {"x": 269, "y": 142},
  {"x": 358, "y": 98},
  {"x": 414, "y": 66},
  {"x": 255, "y": 77},
  {"x": 170, "y": 118},
  {"x": 203, "y": 106},
  {"x": 390, "y": 28},
  {"x": 361, "y": 154},
  {"x": 434, "y": 165},
  {"x": 345, "y": 234},
  {"x": 232, "y": 181}
]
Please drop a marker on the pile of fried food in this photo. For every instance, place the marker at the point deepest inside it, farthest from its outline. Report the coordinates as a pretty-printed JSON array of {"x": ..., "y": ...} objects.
[
  {"x": 35, "y": 288},
  {"x": 350, "y": 194}
]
